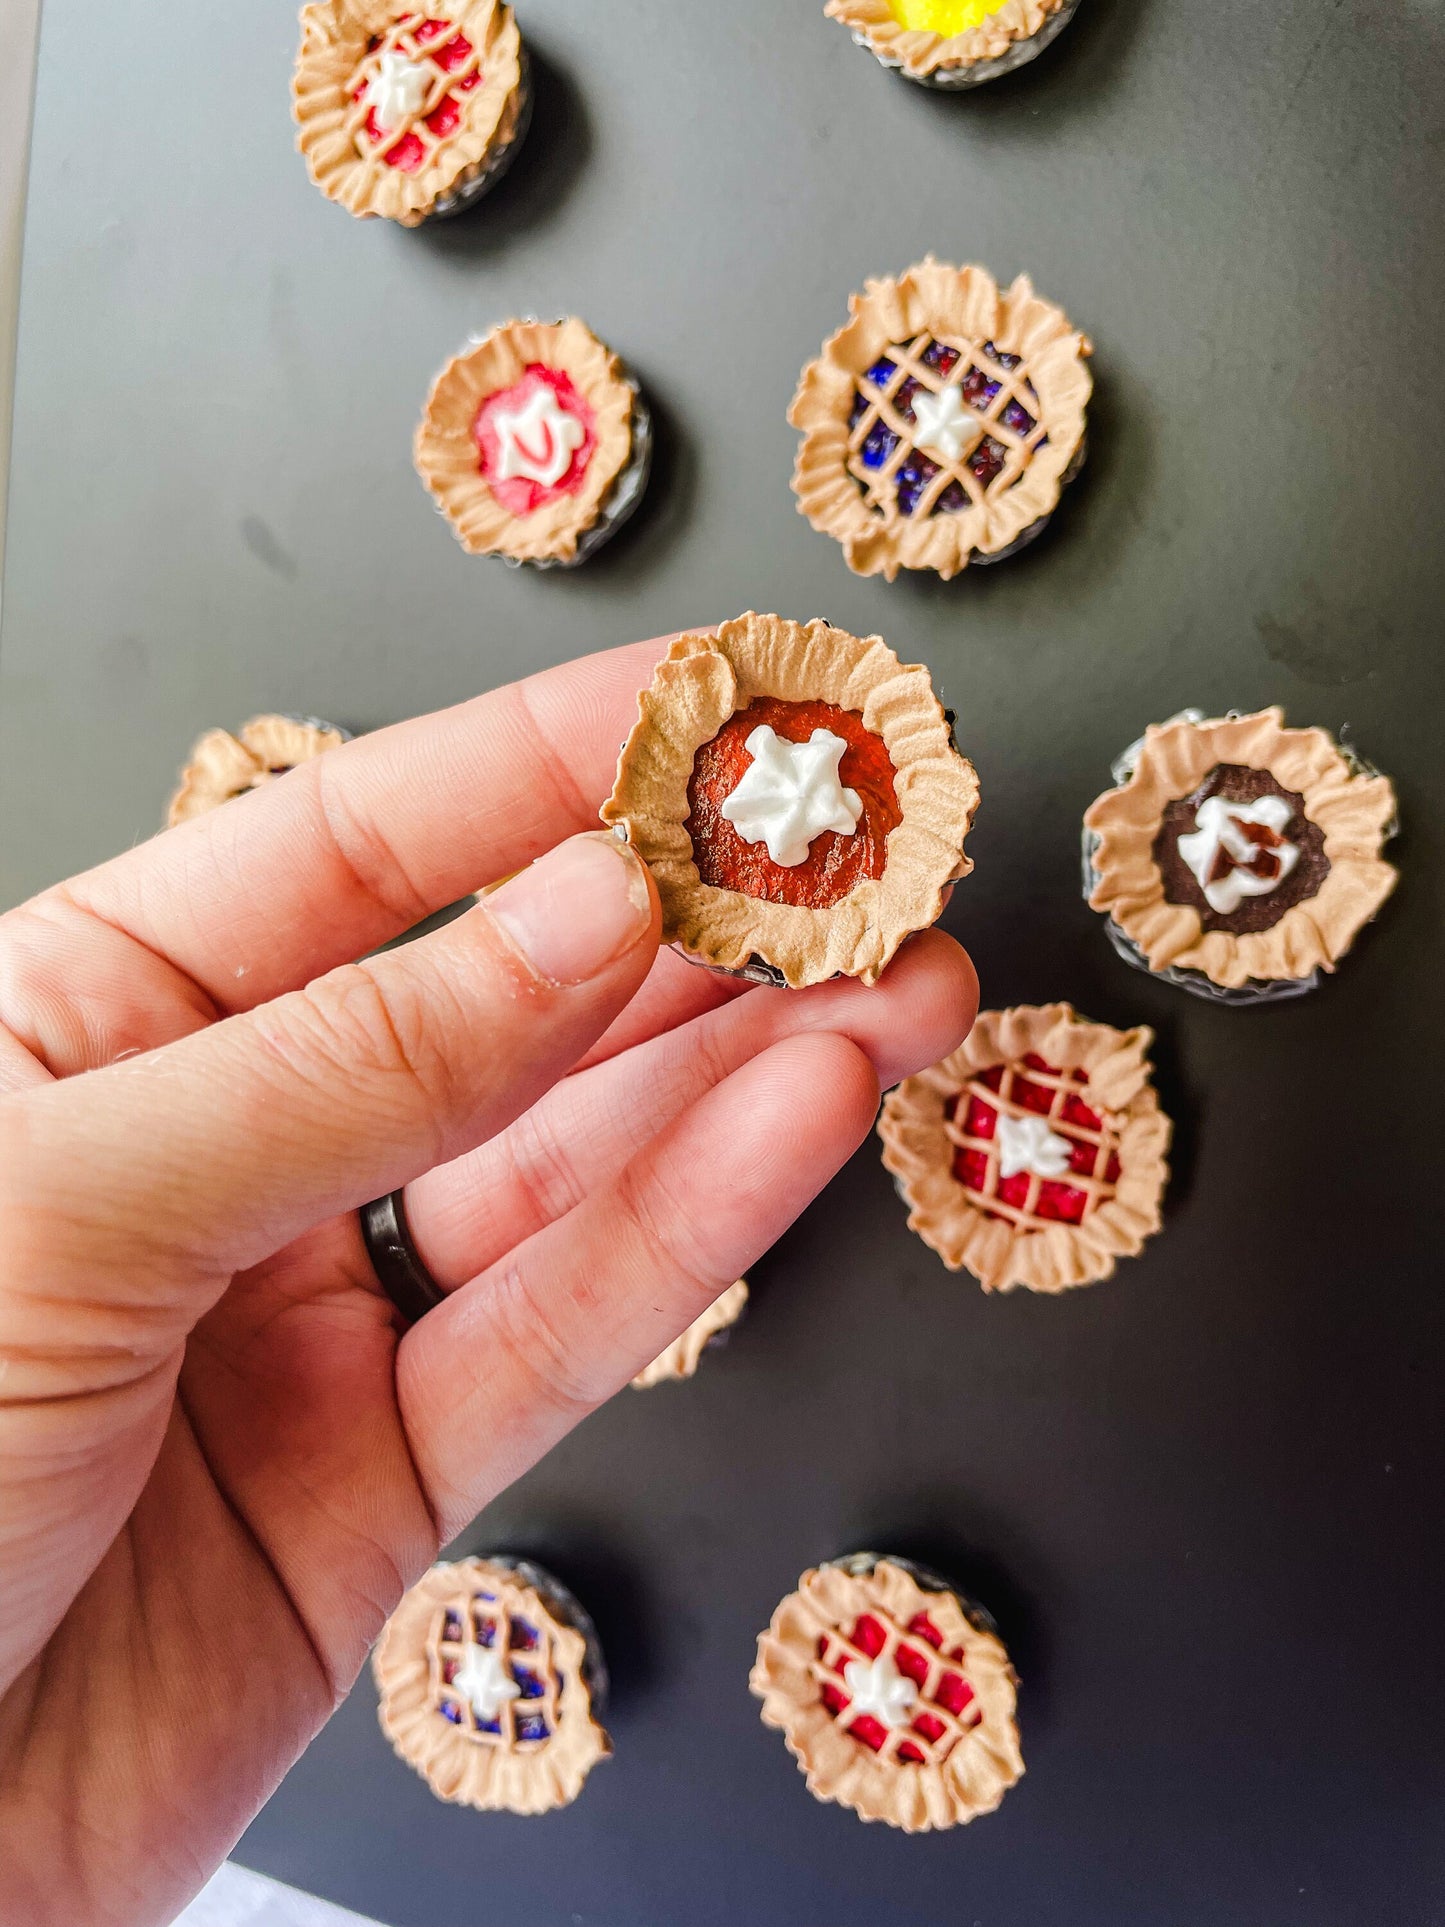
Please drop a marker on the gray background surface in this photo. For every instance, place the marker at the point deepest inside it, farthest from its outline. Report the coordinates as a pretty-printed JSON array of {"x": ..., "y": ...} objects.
[{"x": 1203, "y": 1499}]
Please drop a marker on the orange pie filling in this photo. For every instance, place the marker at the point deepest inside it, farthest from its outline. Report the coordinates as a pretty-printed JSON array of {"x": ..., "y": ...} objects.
[{"x": 735, "y": 854}]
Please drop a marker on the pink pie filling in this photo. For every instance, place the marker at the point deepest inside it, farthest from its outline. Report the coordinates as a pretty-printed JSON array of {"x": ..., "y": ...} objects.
[{"x": 517, "y": 495}]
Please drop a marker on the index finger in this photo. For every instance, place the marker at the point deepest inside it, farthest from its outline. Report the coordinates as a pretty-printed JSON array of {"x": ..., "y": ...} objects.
[{"x": 346, "y": 852}]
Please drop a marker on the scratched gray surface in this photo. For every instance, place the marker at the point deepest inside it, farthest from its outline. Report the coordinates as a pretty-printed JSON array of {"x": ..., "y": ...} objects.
[{"x": 1203, "y": 1499}]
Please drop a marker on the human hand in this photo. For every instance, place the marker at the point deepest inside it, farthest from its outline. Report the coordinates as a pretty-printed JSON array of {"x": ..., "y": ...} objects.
[{"x": 220, "y": 1464}]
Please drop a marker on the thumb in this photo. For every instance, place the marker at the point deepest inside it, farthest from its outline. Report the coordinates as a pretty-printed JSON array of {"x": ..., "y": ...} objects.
[{"x": 211, "y": 1153}]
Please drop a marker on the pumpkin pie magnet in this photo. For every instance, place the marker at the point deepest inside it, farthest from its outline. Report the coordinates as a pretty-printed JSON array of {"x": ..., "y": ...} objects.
[{"x": 798, "y": 797}]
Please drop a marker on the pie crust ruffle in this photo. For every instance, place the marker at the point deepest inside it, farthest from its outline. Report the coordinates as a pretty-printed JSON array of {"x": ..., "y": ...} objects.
[
  {"x": 1055, "y": 1255},
  {"x": 963, "y": 308},
  {"x": 921, "y": 53},
  {"x": 980, "y": 1768},
  {"x": 683, "y": 1356},
  {"x": 406, "y": 1670},
  {"x": 1355, "y": 812},
  {"x": 700, "y": 683},
  {"x": 334, "y": 40},
  {"x": 447, "y": 457},
  {"x": 222, "y": 766}
]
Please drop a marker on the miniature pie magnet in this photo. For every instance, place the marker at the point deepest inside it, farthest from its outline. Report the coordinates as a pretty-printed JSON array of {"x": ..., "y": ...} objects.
[
  {"x": 1237, "y": 858},
  {"x": 954, "y": 43},
  {"x": 409, "y": 115},
  {"x": 798, "y": 797},
  {"x": 491, "y": 1679},
  {"x": 535, "y": 443},
  {"x": 893, "y": 1693},
  {"x": 1035, "y": 1154},
  {"x": 683, "y": 1356},
  {"x": 223, "y": 766},
  {"x": 942, "y": 422}
]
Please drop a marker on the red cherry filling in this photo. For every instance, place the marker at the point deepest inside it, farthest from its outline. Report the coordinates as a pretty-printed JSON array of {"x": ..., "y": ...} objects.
[
  {"x": 1057, "y": 1198},
  {"x": 517, "y": 494},
  {"x": 410, "y": 34},
  {"x": 835, "y": 864},
  {"x": 951, "y": 1690}
]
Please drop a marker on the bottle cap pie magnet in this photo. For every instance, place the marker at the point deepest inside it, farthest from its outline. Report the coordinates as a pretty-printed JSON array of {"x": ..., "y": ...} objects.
[
  {"x": 409, "y": 115},
  {"x": 1237, "y": 858},
  {"x": 893, "y": 1693},
  {"x": 953, "y": 43},
  {"x": 536, "y": 443},
  {"x": 223, "y": 765},
  {"x": 798, "y": 797},
  {"x": 684, "y": 1354},
  {"x": 490, "y": 1678},
  {"x": 942, "y": 422},
  {"x": 1035, "y": 1154}
]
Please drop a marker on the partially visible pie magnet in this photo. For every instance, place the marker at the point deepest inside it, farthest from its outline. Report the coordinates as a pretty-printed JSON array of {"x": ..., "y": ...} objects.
[{"x": 954, "y": 43}]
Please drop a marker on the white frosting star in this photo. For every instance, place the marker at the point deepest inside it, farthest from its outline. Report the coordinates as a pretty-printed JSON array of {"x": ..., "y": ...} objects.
[
  {"x": 538, "y": 440},
  {"x": 1218, "y": 827},
  {"x": 877, "y": 1687},
  {"x": 483, "y": 1681},
  {"x": 790, "y": 793},
  {"x": 1027, "y": 1144},
  {"x": 944, "y": 424},
  {"x": 398, "y": 90}
]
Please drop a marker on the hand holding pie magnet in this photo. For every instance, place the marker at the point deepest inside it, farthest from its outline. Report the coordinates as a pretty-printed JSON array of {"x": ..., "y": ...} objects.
[{"x": 213, "y": 1435}]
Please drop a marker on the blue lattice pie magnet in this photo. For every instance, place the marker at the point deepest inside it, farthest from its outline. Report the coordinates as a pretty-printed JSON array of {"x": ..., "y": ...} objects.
[
  {"x": 941, "y": 424},
  {"x": 491, "y": 1679}
]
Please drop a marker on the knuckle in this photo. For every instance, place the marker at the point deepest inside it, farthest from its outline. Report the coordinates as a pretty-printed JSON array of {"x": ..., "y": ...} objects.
[
  {"x": 366, "y": 856},
  {"x": 353, "y": 1026},
  {"x": 539, "y": 1349},
  {"x": 541, "y": 1170},
  {"x": 643, "y": 1201}
]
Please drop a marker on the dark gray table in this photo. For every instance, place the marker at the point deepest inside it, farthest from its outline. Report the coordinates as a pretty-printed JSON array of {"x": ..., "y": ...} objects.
[{"x": 1204, "y": 1500}]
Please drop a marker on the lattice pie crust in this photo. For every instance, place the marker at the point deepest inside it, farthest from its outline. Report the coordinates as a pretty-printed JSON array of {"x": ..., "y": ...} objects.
[
  {"x": 1022, "y": 368},
  {"x": 923, "y": 1126},
  {"x": 966, "y": 1760}
]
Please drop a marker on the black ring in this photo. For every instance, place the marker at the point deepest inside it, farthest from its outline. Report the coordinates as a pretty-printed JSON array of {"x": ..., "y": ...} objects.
[{"x": 403, "y": 1277}]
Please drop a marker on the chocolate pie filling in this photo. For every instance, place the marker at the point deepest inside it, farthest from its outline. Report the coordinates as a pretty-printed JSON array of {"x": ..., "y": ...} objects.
[{"x": 1239, "y": 784}]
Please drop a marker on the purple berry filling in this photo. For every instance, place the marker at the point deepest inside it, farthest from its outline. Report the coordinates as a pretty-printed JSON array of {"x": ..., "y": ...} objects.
[
  {"x": 878, "y": 445},
  {"x": 1017, "y": 417},
  {"x": 880, "y": 373},
  {"x": 913, "y": 477},
  {"x": 531, "y": 1726},
  {"x": 532, "y": 1687},
  {"x": 524, "y": 1636},
  {"x": 987, "y": 459},
  {"x": 938, "y": 355},
  {"x": 978, "y": 389}
]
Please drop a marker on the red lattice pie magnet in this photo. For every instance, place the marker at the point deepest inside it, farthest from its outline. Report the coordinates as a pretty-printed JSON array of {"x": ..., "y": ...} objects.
[
  {"x": 409, "y": 115},
  {"x": 536, "y": 443},
  {"x": 798, "y": 797},
  {"x": 1236, "y": 858},
  {"x": 941, "y": 424},
  {"x": 223, "y": 766},
  {"x": 1035, "y": 1154},
  {"x": 894, "y": 1693},
  {"x": 954, "y": 43},
  {"x": 491, "y": 1678},
  {"x": 684, "y": 1354}
]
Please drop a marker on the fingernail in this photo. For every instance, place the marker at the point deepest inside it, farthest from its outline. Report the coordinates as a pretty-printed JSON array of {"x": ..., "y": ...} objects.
[{"x": 577, "y": 909}]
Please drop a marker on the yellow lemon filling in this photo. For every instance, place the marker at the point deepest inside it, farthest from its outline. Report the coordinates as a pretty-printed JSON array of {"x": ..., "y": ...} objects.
[{"x": 946, "y": 17}]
